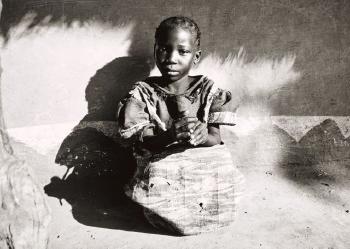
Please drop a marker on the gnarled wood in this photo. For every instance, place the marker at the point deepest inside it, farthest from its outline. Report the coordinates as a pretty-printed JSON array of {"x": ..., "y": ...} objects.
[{"x": 24, "y": 213}]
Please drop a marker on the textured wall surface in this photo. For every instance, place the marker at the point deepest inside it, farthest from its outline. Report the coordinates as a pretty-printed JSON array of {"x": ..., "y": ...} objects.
[{"x": 317, "y": 32}]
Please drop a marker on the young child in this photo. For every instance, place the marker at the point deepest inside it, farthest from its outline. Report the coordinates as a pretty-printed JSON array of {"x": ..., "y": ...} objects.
[{"x": 169, "y": 121}]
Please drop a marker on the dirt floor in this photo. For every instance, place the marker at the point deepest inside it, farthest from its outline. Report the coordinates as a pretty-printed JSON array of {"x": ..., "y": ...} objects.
[{"x": 296, "y": 196}]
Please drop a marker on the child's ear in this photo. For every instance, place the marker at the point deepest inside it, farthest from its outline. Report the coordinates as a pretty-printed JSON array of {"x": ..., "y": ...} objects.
[{"x": 197, "y": 57}]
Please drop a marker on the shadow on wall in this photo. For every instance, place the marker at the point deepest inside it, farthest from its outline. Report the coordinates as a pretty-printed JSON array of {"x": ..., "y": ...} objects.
[
  {"x": 111, "y": 83},
  {"x": 100, "y": 167}
]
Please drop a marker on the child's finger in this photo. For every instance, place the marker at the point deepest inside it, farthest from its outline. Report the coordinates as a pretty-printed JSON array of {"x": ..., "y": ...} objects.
[
  {"x": 184, "y": 121},
  {"x": 199, "y": 129},
  {"x": 199, "y": 140},
  {"x": 199, "y": 136},
  {"x": 190, "y": 127},
  {"x": 183, "y": 136},
  {"x": 195, "y": 139},
  {"x": 197, "y": 125}
]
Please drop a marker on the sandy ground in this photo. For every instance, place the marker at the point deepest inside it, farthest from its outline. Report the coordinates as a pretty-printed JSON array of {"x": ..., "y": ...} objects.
[{"x": 288, "y": 202}]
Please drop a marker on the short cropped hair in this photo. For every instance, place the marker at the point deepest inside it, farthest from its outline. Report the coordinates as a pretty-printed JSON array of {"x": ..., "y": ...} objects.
[{"x": 179, "y": 22}]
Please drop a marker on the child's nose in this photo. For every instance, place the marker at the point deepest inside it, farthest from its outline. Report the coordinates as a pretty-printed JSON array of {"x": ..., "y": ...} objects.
[{"x": 172, "y": 57}]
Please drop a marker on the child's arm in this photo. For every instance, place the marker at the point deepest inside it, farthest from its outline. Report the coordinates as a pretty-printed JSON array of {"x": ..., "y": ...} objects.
[
  {"x": 205, "y": 135},
  {"x": 214, "y": 137},
  {"x": 180, "y": 131}
]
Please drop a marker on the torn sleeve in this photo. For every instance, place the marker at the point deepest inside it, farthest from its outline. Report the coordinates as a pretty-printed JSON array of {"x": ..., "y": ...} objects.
[
  {"x": 133, "y": 121},
  {"x": 223, "y": 109}
]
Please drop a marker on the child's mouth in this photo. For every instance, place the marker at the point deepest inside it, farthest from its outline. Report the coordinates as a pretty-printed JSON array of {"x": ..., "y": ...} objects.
[{"x": 171, "y": 72}]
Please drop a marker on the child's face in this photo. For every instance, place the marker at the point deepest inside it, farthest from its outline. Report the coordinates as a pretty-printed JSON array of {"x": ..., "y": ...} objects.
[{"x": 175, "y": 54}]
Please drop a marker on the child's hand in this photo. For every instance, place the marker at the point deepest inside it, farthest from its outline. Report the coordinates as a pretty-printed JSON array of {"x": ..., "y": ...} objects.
[
  {"x": 183, "y": 128},
  {"x": 200, "y": 134}
]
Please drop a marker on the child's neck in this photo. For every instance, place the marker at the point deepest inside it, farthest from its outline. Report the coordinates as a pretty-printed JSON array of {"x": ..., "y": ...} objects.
[{"x": 179, "y": 86}]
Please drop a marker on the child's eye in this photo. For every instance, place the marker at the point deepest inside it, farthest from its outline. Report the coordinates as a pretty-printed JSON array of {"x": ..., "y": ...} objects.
[{"x": 182, "y": 51}]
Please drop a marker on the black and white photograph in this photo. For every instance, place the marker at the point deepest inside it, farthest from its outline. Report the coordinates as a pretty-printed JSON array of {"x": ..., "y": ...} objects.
[{"x": 174, "y": 124}]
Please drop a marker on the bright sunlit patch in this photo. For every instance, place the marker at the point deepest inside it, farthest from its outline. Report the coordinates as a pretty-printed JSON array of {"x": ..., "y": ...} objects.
[
  {"x": 46, "y": 68},
  {"x": 259, "y": 77},
  {"x": 42, "y": 138}
]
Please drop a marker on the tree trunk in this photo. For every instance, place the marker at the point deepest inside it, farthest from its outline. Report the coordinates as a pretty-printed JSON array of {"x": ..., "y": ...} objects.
[{"x": 24, "y": 213}]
